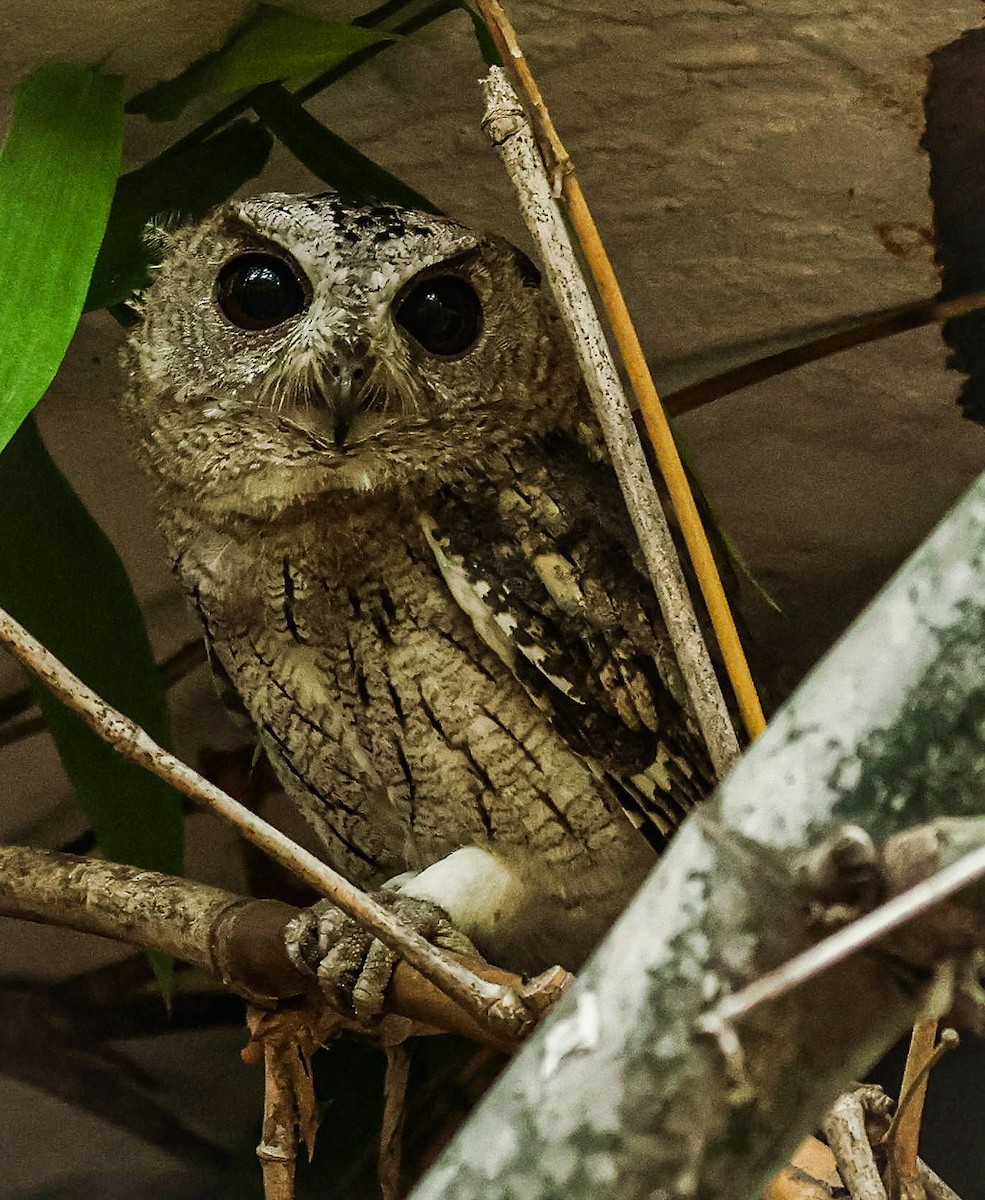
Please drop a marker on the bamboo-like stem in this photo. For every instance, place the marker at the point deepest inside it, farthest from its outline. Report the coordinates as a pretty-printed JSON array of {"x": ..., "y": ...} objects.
[
  {"x": 509, "y": 131},
  {"x": 913, "y": 1092},
  {"x": 489, "y": 1003},
  {"x": 627, "y": 340},
  {"x": 904, "y": 1136},
  {"x": 669, "y": 460},
  {"x": 868, "y": 327}
]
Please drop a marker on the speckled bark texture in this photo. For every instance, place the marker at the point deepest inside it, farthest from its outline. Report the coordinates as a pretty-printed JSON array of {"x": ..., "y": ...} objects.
[{"x": 619, "y": 1094}]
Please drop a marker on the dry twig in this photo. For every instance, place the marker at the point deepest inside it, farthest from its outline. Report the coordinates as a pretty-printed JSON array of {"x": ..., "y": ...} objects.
[
  {"x": 508, "y": 129},
  {"x": 565, "y": 182},
  {"x": 847, "y": 1131},
  {"x": 286, "y": 1041},
  {"x": 392, "y": 1129},
  {"x": 871, "y": 327},
  {"x": 902, "y": 1141}
]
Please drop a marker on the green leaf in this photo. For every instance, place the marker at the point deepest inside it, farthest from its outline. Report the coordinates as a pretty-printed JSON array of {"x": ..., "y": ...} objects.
[
  {"x": 61, "y": 578},
  {"x": 327, "y": 155},
  {"x": 275, "y": 43},
  {"x": 186, "y": 182},
  {"x": 58, "y": 168}
]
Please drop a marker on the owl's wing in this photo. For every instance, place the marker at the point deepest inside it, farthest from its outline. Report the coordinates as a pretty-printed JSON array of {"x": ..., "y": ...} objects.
[{"x": 547, "y": 568}]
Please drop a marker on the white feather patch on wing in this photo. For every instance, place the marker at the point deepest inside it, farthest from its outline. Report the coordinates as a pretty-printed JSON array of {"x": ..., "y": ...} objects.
[
  {"x": 468, "y": 597},
  {"x": 495, "y": 628}
]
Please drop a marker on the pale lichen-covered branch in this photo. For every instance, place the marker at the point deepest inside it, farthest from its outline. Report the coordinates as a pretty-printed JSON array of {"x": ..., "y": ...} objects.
[{"x": 868, "y": 781}]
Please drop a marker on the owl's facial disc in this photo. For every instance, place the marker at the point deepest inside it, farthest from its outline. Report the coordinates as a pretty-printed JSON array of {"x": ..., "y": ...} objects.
[{"x": 349, "y": 381}]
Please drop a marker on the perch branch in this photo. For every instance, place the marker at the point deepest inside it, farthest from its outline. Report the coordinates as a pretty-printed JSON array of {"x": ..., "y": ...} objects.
[
  {"x": 239, "y": 940},
  {"x": 562, "y": 172},
  {"x": 501, "y": 1007},
  {"x": 509, "y": 131}
]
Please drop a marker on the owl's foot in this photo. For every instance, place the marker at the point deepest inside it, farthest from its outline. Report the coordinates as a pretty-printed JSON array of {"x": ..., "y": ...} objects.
[{"x": 353, "y": 967}]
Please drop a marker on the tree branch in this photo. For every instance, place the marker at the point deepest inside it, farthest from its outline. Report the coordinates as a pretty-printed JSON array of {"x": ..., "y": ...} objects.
[
  {"x": 867, "y": 783},
  {"x": 240, "y": 940},
  {"x": 509, "y": 131}
]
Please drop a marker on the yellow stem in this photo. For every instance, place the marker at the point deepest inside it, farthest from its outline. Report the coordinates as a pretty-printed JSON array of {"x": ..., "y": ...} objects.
[
  {"x": 627, "y": 340},
  {"x": 668, "y": 459},
  {"x": 913, "y": 1092}
]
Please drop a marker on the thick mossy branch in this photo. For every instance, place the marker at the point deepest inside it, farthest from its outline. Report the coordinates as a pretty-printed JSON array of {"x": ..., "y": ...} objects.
[{"x": 867, "y": 782}]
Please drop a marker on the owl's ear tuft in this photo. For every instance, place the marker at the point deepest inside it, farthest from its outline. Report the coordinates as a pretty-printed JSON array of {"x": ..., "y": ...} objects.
[{"x": 529, "y": 271}]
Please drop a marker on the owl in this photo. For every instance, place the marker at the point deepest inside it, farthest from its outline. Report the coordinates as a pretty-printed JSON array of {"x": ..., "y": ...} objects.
[{"x": 386, "y": 495}]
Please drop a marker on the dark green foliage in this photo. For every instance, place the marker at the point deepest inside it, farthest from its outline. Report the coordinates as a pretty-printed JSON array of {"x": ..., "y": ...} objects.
[
  {"x": 327, "y": 155},
  {"x": 183, "y": 183},
  {"x": 61, "y": 577}
]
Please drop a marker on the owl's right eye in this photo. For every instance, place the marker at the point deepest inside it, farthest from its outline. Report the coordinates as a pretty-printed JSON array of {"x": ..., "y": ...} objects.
[{"x": 258, "y": 291}]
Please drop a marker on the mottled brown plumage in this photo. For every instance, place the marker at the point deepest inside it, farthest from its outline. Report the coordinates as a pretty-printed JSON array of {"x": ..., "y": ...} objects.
[{"x": 394, "y": 515}]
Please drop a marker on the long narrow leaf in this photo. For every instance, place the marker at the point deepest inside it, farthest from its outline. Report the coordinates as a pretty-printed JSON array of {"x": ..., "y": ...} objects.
[
  {"x": 487, "y": 47},
  {"x": 61, "y": 577},
  {"x": 420, "y": 20},
  {"x": 275, "y": 43},
  {"x": 58, "y": 168},
  {"x": 328, "y": 156},
  {"x": 184, "y": 183}
]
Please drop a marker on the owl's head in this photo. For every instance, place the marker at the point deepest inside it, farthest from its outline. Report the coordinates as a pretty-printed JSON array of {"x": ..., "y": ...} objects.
[{"x": 297, "y": 347}]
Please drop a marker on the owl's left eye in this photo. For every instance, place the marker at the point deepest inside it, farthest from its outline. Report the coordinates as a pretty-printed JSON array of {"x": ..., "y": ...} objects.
[
  {"x": 258, "y": 291},
  {"x": 443, "y": 313}
]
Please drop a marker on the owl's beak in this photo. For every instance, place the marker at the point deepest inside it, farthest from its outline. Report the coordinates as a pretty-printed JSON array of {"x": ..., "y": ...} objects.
[{"x": 349, "y": 371}]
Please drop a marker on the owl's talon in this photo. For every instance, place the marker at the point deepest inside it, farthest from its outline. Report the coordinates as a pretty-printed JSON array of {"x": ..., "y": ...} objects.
[{"x": 354, "y": 968}]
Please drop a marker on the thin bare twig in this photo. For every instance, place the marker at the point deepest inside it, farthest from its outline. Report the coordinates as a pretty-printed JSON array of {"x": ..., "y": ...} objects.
[
  {"x": 896, "y": 912},
  {"x": 565, "y": 183},
  {"x": 287, "y": 1040},
  {"x": 392, "y": 1127},
  {"x": 171, "y": 670},
  {"x": 934, "y": 1186},
  {"x": 872, "y": 327},
  {"x": 902, "y": 1142},
  {"x": 500, "y": 1007},
  {"x": 509, "y": 130},
  {"x": 904, "y": 1135}
]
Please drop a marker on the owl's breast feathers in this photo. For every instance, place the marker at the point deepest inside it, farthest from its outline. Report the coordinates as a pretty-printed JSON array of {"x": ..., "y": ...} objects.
[{"x": 485, "y": 669}]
